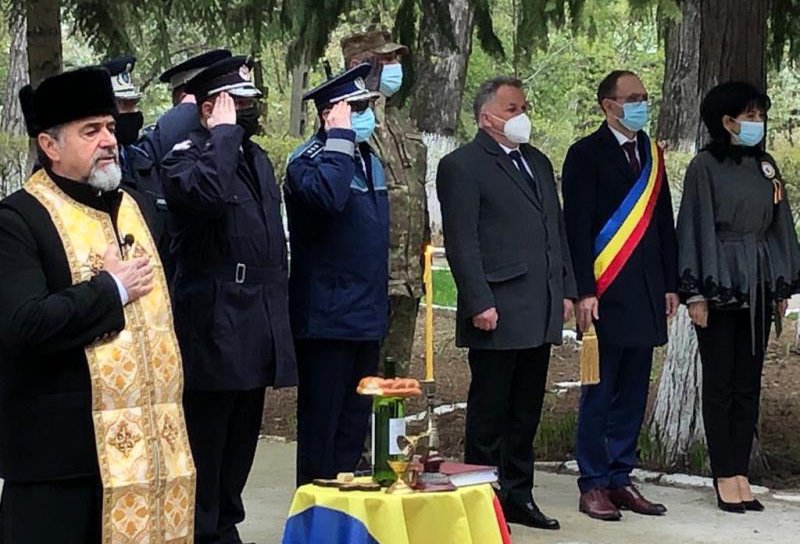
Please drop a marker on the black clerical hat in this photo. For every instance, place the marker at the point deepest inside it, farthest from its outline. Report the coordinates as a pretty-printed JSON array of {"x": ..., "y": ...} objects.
[{"x": 69, "y": 96}]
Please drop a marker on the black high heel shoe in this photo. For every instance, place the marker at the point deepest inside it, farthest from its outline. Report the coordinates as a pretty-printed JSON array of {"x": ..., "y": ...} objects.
[
  {"x": 731, "y": 507},
  {"x": 753, "y": 506}
]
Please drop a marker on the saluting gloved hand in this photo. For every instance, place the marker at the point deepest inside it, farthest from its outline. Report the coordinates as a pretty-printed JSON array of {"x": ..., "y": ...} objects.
[
  {"x": 338, "y": 117},
  {"x": 224, "y": 112}
]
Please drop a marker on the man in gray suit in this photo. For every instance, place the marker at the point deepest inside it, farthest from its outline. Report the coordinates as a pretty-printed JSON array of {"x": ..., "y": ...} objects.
[{"x": 506, "y": 244}]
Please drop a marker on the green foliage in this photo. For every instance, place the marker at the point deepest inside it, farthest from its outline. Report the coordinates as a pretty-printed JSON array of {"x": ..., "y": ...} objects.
[
  {"x": 13, "y": 162},
  {"x": 561, "y": 79},
  {"x": 534, "y": 18},
  {"x": 785, "y": 31}
]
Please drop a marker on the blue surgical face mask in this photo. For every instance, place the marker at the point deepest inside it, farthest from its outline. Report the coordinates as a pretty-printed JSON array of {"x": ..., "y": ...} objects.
[
  {"x": 391, "y": 79},
  {"x": 363, "y": 124},
  {"x": 635, "y": 116},
  {"x": 750, "y": 133}
]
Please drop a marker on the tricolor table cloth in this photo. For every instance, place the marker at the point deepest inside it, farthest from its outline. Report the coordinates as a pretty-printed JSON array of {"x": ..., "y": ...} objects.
[{"x": 324, "y": 515}]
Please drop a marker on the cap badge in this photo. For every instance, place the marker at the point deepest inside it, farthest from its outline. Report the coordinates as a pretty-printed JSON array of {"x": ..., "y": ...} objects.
[{"x": 244, "y": 72}]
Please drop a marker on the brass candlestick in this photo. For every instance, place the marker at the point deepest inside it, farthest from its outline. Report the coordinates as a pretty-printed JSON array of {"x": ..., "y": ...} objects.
[{"x": 429, "y": 387}]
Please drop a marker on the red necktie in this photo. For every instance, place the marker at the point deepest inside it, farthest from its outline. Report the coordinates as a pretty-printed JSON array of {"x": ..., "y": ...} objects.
[{"x": 633, "y": 162}]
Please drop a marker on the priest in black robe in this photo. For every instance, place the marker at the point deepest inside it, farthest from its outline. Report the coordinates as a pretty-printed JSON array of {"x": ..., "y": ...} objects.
[{"x": 49, "y": 319}]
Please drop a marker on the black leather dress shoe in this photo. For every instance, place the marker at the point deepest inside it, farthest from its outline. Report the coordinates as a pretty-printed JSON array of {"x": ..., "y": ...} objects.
[{"x": 528, "y": 514}]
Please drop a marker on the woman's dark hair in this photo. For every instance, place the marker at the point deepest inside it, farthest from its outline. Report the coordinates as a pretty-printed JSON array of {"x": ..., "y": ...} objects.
[{"x": 731, "y": 98}]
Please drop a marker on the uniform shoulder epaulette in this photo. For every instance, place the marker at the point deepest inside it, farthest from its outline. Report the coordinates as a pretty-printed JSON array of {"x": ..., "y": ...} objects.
[
  {"x": 309, "y": 150},
  {"x": 314, "y": 149}
]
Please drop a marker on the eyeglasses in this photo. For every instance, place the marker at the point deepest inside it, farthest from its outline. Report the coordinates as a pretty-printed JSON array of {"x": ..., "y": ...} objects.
[{"x": 631, "y": 99}]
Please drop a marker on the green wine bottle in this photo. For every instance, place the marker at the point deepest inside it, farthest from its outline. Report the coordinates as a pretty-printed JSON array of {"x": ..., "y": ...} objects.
[{"x": 388, "y": 422}]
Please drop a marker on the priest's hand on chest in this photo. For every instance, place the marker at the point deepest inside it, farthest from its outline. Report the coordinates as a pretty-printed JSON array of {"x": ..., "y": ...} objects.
[{"x": 135, "y": 275}]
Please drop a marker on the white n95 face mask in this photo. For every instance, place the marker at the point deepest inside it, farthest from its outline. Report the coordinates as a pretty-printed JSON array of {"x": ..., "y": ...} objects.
[{"x": 518, "y": 129}]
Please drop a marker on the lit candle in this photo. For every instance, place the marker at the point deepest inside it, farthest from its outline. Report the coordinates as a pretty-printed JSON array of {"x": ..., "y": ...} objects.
[{"x": 428, "y": 274}]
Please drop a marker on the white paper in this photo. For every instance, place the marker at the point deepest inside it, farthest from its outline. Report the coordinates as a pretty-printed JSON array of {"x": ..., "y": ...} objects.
[{"x": 397, "y": 427}]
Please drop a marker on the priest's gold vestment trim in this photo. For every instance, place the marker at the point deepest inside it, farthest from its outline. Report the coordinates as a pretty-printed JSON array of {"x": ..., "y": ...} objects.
[{"x": 145, "y": 462}]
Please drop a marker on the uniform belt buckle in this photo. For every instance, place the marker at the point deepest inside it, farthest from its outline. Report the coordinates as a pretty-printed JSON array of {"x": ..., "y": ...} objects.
[{"x": 241, "y": 272}]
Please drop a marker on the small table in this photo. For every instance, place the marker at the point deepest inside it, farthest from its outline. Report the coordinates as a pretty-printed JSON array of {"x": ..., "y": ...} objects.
[{"x": 324, "y": 515}]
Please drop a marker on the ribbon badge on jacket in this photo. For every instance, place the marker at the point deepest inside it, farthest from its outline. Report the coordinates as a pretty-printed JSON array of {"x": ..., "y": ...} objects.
[{"x": 620, "y": 236}]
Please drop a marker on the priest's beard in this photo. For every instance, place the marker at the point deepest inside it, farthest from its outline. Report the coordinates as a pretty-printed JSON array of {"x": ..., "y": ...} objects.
[{"x": 105, "y": 178}]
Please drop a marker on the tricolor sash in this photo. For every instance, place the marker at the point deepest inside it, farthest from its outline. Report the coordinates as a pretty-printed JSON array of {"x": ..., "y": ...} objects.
[
  {"x": 620, "y": 236},
  {"x": 145, "y": 462}
]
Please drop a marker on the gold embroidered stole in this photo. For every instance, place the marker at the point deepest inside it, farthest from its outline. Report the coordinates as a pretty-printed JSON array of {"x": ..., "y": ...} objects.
[{"x": 143, "y": 451}]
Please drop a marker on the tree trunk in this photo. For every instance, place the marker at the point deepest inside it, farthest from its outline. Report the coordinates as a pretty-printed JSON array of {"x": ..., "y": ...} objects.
[
  {"x": 677, "y": 424},
  {"x": 732, "y": 46},
  {"x": 297, "y": 110},
  {"x": 11, "y": 119},
  {"x": 44, "y": 39},
  {"x": 679, "y": 118},
  {"x": 733, "y": 43},
  {"x": 445, "y": 44}
]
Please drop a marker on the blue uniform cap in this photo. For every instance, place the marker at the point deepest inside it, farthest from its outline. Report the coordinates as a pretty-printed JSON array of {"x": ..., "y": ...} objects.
[
  {"x": 348, "y": 86},
  {"x": 181, "y": 73},
  {"x": 120, "y": 69}
]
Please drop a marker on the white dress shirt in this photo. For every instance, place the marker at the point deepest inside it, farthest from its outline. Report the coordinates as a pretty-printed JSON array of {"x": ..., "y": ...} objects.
[
  {"x": 509, "y": 150},
  {"x": 622, "y": 139}
]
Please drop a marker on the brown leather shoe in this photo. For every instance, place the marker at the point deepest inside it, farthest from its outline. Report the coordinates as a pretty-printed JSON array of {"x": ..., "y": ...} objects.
[
  {"x": 630, "y": 498},
  {"x": 596, "y": 504}
]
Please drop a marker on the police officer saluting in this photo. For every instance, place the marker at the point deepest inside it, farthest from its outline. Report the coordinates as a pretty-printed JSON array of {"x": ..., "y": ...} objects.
[
  {"x": 338, "y": 213},
  {"x": 177, "y": 122},
  {"x": 400, "y": 147},
  {"x": 230, "y": 289}
]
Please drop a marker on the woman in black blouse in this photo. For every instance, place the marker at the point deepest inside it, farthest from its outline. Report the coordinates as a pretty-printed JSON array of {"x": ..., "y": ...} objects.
[{"x": 739, "y": 261}]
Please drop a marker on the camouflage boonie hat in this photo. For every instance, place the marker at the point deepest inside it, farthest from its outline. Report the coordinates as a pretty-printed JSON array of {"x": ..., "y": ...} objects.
[{"x": 375, "y": 41}]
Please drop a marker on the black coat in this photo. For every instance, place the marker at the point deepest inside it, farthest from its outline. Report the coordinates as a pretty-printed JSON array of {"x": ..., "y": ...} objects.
[
  {"x": 46, "y": 430},
  {"x": 140, "y": 173},
  {"x": 172, "y": 127},
  {"x": 230, "y": 288},
  {"x": 506, "y": 245},
  {"x": 596, "y": 179}
]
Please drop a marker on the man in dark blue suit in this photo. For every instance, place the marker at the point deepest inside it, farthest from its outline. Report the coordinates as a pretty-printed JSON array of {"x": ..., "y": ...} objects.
[
  {"x": 630, "y": 315},
  {"x": 337, "y": 204}
]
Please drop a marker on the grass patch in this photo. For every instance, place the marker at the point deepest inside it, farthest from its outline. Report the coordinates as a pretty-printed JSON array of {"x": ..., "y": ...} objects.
[
  {"x": 444, "y": 288},
  {"x": 555, "y": 438}
]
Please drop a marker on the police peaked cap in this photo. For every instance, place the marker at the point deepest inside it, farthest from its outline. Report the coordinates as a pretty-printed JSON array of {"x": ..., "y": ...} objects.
[
  {"x": 66, "y": 97},
  {"x": 232, "y": 75},
  {"x": 120, "y": 69},
  {"x": 347, "y": 86},
  {"x": 181, "y": 73}
]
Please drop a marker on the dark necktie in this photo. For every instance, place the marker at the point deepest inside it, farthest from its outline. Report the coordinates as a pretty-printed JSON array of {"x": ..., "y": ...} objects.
[
  {"x": 633, "y": 162},
  {"x": 516, "y": 156}
]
